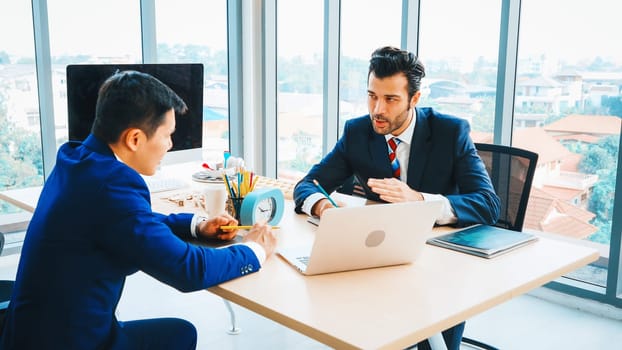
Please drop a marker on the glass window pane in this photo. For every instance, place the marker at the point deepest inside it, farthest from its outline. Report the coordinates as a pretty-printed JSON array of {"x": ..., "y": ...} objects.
[
  {"x": 365, "y": 26},
  {"x": 459, "y": 46},
  {"x": 20, "y": 134},
  {"x": 568, "y": 108},
  {"x": 21, "y": 163},
  {"x": 89, "y": 32},
  {"x": 196, "y": 32},
  {"x": 299, "y": 79}
]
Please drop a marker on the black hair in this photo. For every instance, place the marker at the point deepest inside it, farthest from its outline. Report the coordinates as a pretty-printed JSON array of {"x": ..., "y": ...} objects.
[
  {"x": 133, "y": 99},
  {"x": 388, "y": 61}
]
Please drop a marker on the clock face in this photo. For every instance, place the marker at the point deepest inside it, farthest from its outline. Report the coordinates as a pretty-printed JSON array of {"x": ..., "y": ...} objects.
[
  {"x": 265, "y": 210},
  {"x": 262, "y": 205}
]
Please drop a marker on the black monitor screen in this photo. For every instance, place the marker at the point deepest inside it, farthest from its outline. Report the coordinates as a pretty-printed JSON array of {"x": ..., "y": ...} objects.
[{"x": 186, "y": 79}]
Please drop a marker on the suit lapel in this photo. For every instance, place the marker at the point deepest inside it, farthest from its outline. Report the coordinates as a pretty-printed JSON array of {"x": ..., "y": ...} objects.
[{"x": 419, "y": 150}]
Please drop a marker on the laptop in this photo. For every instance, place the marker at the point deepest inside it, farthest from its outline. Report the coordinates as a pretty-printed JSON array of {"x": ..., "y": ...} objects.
[{"x": 353, "y": 238}]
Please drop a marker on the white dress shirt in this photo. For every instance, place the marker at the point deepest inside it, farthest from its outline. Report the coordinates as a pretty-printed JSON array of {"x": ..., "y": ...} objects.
[{"x": 447, "y": 215}]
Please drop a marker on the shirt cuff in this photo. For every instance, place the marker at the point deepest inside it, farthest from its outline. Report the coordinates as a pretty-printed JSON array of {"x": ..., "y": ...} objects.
[
  {"x": 447, "y": 216},
  {"x": 310, "y": 201},
  {"x": 260, "y": 253},
  {"x": 196, "y": 220}
]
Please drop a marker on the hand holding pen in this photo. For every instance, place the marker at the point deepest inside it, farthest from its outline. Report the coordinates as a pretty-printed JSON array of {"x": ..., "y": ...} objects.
[{"x": 323, "y": 204}]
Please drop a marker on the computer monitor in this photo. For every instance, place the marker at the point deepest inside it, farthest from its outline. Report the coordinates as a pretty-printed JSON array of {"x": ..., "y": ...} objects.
[{"x": 186, "y": 79}]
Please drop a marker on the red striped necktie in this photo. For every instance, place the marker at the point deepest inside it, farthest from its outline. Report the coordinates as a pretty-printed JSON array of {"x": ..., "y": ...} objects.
[{"x": 395, "y": 164}]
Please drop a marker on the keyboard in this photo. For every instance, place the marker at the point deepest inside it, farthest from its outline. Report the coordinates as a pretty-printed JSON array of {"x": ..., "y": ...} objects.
[
  {"x": 303, "y": 260},
  {"x": 161, "y": 184}
]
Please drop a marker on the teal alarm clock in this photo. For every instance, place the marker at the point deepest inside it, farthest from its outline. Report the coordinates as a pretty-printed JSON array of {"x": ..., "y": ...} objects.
[{"x": 263, "y": 204}]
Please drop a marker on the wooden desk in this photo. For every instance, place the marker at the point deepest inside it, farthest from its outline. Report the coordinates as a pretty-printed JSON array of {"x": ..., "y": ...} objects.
[
  {"x": 25, "y": 198},
  {"x": 394, "y": 307},
  {"x": 390, "y": 307}
]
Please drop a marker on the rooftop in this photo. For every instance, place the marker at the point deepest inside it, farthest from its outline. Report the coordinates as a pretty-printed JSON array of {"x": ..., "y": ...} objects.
[{"x": 586, "y": 124}]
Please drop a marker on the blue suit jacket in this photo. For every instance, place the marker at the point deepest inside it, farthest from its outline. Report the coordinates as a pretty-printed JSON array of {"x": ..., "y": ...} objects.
[
  {"x": 92, "y": 227},
  {"x": 443, "y": 160}
]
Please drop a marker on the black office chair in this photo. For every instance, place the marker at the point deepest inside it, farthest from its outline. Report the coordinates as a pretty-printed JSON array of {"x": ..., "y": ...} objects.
[
  {"x": 6, "y": 288},
  {"x": 511, "y": 171}
]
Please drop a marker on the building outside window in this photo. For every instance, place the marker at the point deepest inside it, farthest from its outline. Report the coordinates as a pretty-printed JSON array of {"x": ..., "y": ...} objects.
[
  {"x": 300, "y": 97},
  {"x": 196, "y": 32},
  {"x": 568, "y": 109},
  {"x": 89, "y": 32},
  {"x": 567, "y": 103},
  {"x": 21, "y": 162}
]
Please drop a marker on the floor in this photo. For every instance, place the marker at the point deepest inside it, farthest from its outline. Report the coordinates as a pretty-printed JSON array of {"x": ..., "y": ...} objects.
[{"x": 526, "y": 322}]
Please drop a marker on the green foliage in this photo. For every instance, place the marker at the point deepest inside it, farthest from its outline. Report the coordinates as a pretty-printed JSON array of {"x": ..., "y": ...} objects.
[
  {"x": 4, "y": 58},
  {"x": 484, "y": 120},
  {"x": 613, "y": 105},
  {"x": 601, "y": 159},
  {"x": 300, "y": 75},
  {"x": 353, "y": 75},
  {"x": 306, "y": 154},
  {"x": 21, "y": 163},
  {"x": 601, "y": 155},
  {"x": 594, "y": 160},
  {"x": 603, "y": 235}
]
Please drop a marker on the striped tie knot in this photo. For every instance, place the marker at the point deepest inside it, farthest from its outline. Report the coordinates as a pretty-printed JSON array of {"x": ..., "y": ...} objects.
[{"x": 395, "y": 164}]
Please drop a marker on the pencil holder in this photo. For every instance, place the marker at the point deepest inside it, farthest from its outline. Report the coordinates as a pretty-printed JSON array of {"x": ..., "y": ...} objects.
[{"x": 233, "y": 207}]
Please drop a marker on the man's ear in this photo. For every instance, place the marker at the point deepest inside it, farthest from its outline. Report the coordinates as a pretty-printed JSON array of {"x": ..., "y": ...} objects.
[
  {"x": 133, "y": 138},
  {"x": 415, "y": 99}
]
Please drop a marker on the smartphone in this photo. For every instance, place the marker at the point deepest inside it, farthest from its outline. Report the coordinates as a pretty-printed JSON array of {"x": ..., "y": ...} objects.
[{"x": 368, "y": 193}]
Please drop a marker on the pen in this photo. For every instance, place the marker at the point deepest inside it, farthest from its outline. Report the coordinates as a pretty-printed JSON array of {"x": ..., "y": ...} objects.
[
  {"x": 325, "y": 194},
  {"x": 243, "y": 227}
]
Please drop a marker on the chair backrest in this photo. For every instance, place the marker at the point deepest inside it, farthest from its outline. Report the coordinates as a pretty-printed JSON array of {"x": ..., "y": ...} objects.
[{"x": 511, "y": 171}]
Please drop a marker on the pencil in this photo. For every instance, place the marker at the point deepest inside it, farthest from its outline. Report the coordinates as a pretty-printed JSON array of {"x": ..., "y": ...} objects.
[
  {"x": 325, "y": 194},
  {"x": 243, "y": 227}
]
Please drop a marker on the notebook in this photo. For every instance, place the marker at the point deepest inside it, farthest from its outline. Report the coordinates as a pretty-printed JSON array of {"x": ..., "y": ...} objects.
[
  {"x": 483, "y": 240},
  {"x": 353, "y": 238}
]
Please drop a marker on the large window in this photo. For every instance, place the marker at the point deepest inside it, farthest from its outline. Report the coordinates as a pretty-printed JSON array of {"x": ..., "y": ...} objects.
[
  {"x": 300, "y": 100},
  {"x": 567, "y": 105},
  {"x": 365, "y": 26},
  {"x": 89, "y": 32},
  {"x": 568, "y": 109},
  {"x": 196, "y": 32},
  {"x": 459, "y": 47},
  {"x": 20, "y": 136}
]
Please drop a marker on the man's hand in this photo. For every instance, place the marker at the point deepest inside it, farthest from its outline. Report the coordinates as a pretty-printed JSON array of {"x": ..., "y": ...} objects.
[
  {"x": 262, "y": 233},
  {"x": 211, "y": 228},
  {"x": 323, "y": 204},
  {"x": 393, "y": 190}
]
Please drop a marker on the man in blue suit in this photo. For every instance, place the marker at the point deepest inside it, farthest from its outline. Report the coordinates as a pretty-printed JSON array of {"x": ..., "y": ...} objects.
[
  {"x": 401, "y": 153},
  {"x": 93, "y": 226}
]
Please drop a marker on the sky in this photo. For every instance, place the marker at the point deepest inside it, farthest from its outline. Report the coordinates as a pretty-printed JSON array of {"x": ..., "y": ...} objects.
[{"x": 571, "y": 29}]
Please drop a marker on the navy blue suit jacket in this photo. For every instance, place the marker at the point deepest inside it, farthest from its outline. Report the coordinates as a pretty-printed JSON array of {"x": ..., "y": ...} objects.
[
  {"x": 443, "y": 160},
  {"x": 92, "y": 227}
]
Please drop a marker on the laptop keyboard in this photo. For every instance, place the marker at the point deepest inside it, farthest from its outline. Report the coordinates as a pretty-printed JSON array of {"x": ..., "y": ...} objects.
[{"x": 303, "y": 259}]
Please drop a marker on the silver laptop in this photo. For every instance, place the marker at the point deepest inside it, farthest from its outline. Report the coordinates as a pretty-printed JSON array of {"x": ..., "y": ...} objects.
[{"x": 353, "y": 238}]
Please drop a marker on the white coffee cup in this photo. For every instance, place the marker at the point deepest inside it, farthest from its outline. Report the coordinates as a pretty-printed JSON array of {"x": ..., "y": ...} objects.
[{"x": 215, "y": 199}]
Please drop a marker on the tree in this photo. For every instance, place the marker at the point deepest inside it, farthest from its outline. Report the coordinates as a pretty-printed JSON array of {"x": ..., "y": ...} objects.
[
  {"x": 614, "y": 105},
  {"x": 21, "y": 162},
  {"x": 601, "y": 159}
]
